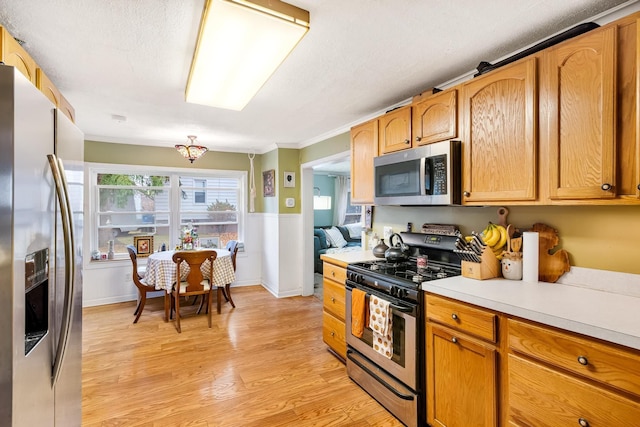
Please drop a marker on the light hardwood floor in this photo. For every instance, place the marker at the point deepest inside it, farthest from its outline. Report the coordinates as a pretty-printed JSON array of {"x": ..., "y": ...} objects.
[{"x": 261, "y": 364}]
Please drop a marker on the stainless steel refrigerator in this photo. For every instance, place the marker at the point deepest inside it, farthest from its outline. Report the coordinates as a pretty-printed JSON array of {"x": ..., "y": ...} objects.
[{"x": 41, "y": 209}]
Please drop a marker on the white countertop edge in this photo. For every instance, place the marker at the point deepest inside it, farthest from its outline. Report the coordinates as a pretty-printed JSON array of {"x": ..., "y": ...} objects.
[{"x": 607, "y": 316}]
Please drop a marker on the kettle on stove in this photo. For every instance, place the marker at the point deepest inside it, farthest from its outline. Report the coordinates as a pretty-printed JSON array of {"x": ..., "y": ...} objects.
[{"x": 397, "y": 252}]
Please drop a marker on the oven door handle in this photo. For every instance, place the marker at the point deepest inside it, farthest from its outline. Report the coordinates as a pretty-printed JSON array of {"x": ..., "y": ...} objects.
[
  {"x": 377, "y": 378},
  {"x": 401, "y": 308}
]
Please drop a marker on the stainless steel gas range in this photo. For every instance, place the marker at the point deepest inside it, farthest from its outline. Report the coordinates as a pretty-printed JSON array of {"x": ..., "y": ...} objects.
[{"x": 397, "y": 382}]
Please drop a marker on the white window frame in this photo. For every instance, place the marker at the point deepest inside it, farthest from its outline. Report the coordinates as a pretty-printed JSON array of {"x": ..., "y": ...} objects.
[{"x": 93, "y": 169}]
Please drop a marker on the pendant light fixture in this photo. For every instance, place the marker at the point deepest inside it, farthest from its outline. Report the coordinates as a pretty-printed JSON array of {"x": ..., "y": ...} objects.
[
  {"x": 240, "y": 45},
  {"x": 191, "y": 152}
]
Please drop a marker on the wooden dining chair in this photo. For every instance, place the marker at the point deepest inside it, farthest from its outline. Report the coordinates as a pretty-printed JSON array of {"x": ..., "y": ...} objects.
[
  {"x": 232, "y": 246},
  {"x": 195, "y": 284},
  {"x": 138, "y": 280}
]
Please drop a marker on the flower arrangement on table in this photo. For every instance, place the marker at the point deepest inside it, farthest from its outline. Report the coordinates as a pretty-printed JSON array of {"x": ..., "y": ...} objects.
[{"x": 189, "y": 238}]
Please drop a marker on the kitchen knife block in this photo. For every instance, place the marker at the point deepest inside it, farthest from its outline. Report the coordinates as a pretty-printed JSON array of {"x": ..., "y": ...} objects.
[{"x": 488, "y": 268}]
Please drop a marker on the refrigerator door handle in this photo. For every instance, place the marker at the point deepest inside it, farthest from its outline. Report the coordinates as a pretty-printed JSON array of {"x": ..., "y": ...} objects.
[{"x": 60, "y": 182}]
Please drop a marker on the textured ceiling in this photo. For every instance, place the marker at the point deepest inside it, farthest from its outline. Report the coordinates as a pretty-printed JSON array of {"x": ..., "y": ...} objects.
[{"x": 132, "y": 58}]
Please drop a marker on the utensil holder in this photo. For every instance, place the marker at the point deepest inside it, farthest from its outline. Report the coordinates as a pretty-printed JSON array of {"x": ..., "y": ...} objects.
[{"x": 488, "y": 268}]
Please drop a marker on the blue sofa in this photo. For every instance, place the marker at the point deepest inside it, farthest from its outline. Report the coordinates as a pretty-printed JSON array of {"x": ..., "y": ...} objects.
[{"x": 320, "y": 245}]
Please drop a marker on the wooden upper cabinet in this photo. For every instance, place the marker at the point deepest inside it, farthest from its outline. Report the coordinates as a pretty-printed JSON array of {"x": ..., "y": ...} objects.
[
  {"x": 581, "y": 89},
  {"x": 67, "y": 109},
  {"x": 47, "y": 87},
  {"x": 628, "y": 120},
  {"x": 364, "y": 147},
  {"x": 435, "y": 118},
  {"x": 500, "y": 135},
  {"x": 395, "y": 130},
  {"x": 11, "y": 53}
]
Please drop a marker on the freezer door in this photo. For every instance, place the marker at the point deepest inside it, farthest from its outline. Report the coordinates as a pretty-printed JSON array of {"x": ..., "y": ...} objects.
[{"x": 26, "y": 137}]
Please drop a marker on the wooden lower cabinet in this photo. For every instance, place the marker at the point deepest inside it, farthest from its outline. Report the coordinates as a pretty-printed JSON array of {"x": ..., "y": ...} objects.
[
  {"x": 558, "y": 378},
  {"x": 461, "y": 366},
  {"x": 485, "y": 368},
  {"x": 333, "y": 320},
  {"x": 541, "y": 396},
  {"x": 461, "y": 379}
]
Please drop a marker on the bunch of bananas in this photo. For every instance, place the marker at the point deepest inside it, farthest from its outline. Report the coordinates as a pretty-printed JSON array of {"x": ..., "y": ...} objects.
[{"x": 495, "y": 236}]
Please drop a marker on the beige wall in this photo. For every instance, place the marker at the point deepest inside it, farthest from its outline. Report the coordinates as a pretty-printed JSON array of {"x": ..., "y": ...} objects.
[
  {"x": 129, "y": 154},
  {"x": 600, "y": 237},
  {"x": 335, "y": 145}
]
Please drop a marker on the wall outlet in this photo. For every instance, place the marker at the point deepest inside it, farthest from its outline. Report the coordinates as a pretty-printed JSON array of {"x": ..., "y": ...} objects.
[{"x": 387, "y": 232}]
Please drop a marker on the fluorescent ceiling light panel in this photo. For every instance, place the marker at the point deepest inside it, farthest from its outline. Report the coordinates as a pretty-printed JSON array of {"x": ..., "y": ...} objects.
[{"x": 240, "y": 45}]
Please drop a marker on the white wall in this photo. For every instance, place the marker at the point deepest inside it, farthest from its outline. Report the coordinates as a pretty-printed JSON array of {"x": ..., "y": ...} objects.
[{"x": 108, "y": 282}]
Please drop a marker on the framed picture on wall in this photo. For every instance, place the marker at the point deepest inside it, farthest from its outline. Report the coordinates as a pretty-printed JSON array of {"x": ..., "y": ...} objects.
[
  {"x": 143, "y": 245},
  {"x": 289, "y": 179},
  {"x": 269, "y": 183}
]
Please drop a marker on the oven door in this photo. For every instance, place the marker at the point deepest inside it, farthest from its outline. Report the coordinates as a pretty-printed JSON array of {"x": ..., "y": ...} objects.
[{"x": 403, "y": 363}]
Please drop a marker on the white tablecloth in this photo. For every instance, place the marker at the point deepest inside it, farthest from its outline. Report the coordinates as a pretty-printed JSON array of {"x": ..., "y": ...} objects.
[{"x": 161, "y": 270}]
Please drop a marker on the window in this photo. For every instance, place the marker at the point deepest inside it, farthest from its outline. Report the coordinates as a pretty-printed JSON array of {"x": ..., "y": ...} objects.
[
  {"x": 200, "y": 196},
  {"x": 130, "y": 201},
  {"x": 354, "y": 213}
]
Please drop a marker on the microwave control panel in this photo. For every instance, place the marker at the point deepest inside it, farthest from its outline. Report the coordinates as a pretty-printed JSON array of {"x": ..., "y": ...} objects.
[{"x": 439, "y": 175}]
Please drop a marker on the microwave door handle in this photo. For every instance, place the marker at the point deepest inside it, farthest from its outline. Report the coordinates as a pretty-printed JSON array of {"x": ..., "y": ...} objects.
[{"x": 426, "y": 173}]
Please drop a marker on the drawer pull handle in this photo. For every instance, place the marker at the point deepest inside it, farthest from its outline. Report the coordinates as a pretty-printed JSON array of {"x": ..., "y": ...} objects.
[
  {"x": 333, "y": 334},
  {"x": 454, "y": 340},
  {"x": 583, "y": 422},
  {"x": 333, "y": 273},
  {"x": 466, "y": 194},
  {"x": 333, "y": 299},
  {"x": 454, "y": 316},
  {"x": 407, "y": 141},
  {"x": 583, "y": 361},
  {"x": 606, "y": 187}
]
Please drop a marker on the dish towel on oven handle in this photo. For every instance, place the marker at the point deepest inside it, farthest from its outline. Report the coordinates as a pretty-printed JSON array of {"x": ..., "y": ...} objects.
[
  {"x": 358, "y": 309},
  {"x": 381, "y": 323}
]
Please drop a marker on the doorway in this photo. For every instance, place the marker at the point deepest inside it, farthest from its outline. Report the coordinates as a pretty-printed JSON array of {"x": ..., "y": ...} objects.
[{"x": 336, "y": 164}]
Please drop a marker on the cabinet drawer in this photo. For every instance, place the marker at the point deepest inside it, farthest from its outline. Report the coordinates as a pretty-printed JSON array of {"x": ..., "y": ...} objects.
[
  {"x": 334, "y": 272},
  {"x": 333, "y": 334},
  {"x": 601, "y": 362},
  {"x": 333, "y": 298},
  {"x": 462, "y": 317},
  {"x": 541, "y": 397}
]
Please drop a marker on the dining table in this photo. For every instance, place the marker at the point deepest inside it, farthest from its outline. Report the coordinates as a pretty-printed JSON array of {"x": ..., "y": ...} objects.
[{"x": 161, "y": 270}]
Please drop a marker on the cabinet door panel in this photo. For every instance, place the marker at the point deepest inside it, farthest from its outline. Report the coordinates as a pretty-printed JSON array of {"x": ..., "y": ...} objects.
[
  {"x": 500, "y": 144},
  {"x": 395, "y": 130},
  {"x": 435, "y": 118},
  {"x": 11, "y": 53},
  {"x": 582, "y": 117},
  {"x": 364, "y": 147},
  {"x": 461, "y": 380}
]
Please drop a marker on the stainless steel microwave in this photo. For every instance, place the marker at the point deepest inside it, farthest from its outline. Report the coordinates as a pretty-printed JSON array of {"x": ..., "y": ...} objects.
[{"x": 427, "y": 175}]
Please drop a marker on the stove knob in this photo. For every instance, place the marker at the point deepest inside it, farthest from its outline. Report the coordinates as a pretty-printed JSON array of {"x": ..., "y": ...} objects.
[
  {"x": 402, "y": 293},
  {"x": 393, "y": 290}
]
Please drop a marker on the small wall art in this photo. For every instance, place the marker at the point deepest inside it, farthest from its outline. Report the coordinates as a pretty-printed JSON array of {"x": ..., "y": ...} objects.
[
  {"x": 269, "y": 183},
  {"x": 289, "y": 179},
  {"x": 143, "y": 245}
]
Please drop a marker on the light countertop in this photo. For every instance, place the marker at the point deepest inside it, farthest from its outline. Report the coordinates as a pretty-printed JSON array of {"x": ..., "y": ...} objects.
[
  {"x": 349, "y": 257},
  {"x": 610, "y": 316}
]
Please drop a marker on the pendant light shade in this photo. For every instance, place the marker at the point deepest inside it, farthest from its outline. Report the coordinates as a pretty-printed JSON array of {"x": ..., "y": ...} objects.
[
  {"x": 240, "y": 45},
  {"x": 192, "y": 151}
]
